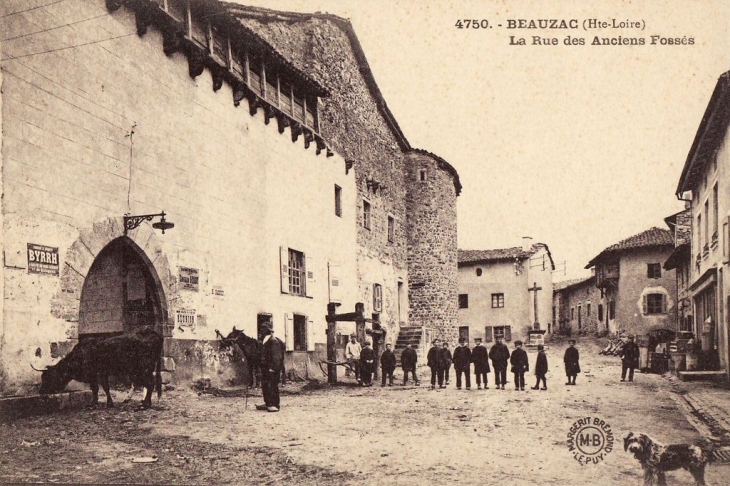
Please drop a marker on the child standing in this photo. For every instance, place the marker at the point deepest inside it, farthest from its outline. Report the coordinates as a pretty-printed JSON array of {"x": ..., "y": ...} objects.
[
  {"x": 520, "y": 365},
  {"x": 541, "y": 368}
]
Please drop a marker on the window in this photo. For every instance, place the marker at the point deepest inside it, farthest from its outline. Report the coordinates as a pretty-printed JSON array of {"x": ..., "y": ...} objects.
[
  {"x": 422, "y": 175},
  {"x": 572, "y": 313},
  {"x": 612, "y": 310},
  {"x": 654, "y": 304},
  {"x": 493, "y": 332},
  {"x": 366, "y": 214},
  {"x": 391, "y": 229},
  {"x": 479, "y": 272},
  {"x": 497, "y": 301},
  {"x": 463, "y": 301},
  {"x": 579, "y": 316},
  {"x": 338, "y": 201},
  {"x": 600, "y": 312},
  {"x": 588, "y": 310},
  {"x": 653, "y": 270},
  {"x": 707, "y": 223},
  {"x": 300, "y": 332},
  {"x": 377, "y": 297},
  {"x": 297, "y": 273},
  {"x": 715, "y": 217}
]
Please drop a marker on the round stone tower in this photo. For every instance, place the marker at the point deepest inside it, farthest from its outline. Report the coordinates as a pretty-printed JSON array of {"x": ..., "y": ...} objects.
[{"x": 432, "y": 186}]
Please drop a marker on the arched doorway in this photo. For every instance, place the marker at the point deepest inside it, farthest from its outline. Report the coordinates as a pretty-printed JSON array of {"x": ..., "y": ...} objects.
[{"x": 121, "y": 292}]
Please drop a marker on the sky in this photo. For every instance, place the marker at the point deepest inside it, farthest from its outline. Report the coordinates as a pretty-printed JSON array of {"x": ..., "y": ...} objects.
[{"x": 577, "y": 146}]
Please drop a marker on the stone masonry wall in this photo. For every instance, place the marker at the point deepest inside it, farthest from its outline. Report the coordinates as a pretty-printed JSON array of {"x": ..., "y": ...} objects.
[{"x": 432, "y": 257}]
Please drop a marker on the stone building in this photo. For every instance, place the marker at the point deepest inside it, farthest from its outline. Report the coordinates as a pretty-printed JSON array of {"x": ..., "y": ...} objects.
[
  {"x": 497, "y": 291},
  {"x": 577, "y": 306},
  {"x": 705, "y": 185},
  {"x": 637, "y": 294},
  {"x": 261, "y": 135},
  {"x": 680, "y": 224}
]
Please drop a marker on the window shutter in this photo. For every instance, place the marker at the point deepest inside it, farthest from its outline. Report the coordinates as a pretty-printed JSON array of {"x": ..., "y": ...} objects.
[
  {"x": 377, "y": 298},
  {"x": 644, "y": 306},
  {"x": 309, "y": 269},
  {"x": 310, "y": 334},
  {"x": 508, "y": 333},
  {"x": 289, "y": 332},
  {"x": 488, "y": 334},
  {"x": 334, "y": 282},
  {"x": 664, "y": 304},
  {"x": 284, "y": 255}
]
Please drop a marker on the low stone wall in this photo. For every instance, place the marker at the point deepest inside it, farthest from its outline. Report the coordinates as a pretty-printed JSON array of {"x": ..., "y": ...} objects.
[{"x": 13, "y": 408}]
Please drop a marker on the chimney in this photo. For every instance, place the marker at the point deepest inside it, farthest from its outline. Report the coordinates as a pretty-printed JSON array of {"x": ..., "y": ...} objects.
[{"x": 526, "y": 243}]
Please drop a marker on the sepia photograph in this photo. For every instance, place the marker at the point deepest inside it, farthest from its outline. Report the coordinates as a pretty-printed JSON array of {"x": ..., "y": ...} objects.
[{"x": 329, "y": 242}]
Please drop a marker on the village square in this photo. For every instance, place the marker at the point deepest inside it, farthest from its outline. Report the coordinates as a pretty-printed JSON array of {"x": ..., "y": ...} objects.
[{"x": 225, "y": 262}]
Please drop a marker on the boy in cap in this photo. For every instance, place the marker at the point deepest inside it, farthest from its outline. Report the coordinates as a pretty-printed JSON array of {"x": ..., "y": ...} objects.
[
  {"x": 271, "y": 361},
  {"x": 435, "y": 363},
  {"x": 629, "y": 358},
  {"x": 499, "y": 354},
  {"x": 367, "y": 364},
  {"x": 572, "y": 362},
  {"x": 446, "y": 358},
  {"x": 408, "y": 361},
  {"x": 541, "y": 368},
  {"x": 520, "y": 365},
  {"x": 387, "y": 364},
  {"x": 480, "y": 358},
  {"x": 462, "y": 360}
]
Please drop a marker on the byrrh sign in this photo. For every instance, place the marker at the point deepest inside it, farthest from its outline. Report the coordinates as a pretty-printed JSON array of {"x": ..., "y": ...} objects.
[{"x": 42, "y": 259}]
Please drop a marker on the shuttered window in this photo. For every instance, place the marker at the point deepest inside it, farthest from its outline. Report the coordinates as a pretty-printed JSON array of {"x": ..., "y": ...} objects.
[
  {"x": 294, "y": 275},
  {"x": 377, "y": 298},
  {"x": 654, "y": 304}
]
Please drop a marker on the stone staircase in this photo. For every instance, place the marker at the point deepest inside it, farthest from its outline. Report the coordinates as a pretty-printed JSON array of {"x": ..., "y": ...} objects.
[{"x": 407, "y": 337}]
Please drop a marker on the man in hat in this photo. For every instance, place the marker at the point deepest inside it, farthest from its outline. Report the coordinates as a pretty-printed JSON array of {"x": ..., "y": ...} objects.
[
  {"x": 367, "y": 364},
  {"x": 520, "y": 365},
  {"x": 499, "y": 354},
  {"x": 271, "y": 362},
  {"x": 387, "y": 364},
  {"x": 571, "y": 358},
  {"x": 352, "y": 355},
  {"x": 480, "y": 358},
  {"x": 446, "y": 359},
  {"x": 408, "y": 361},
  {"x": 629, "y": 358},
  {"x": 462, "y": 360},
  {"x": 435, "y": 362}
]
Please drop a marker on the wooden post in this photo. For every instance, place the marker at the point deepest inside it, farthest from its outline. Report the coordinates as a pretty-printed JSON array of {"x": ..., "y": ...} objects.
[
  {"x": 360, "y": 321},
  {"x": 331, "y": 343}
]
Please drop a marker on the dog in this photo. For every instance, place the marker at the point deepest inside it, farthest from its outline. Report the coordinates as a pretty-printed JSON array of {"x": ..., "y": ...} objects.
[{"x": 657, "y": 458}]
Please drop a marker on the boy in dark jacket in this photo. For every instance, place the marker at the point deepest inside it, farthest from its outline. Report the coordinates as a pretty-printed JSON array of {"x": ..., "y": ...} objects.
[
  {"x": 462, "y": 360},
  {"x": 541, "y": 368},
  {"x": 629, "y": 358},
  {"x": 387, "y": 364},
  {"x": 434, "y": 362},
  {"x": 572, "y": 362},
  {"x": 480, "y": 358},
  {"x": 520, "y": 365},
  {"x": 499, "y": 354},
  {"x": 408, "y": 360},
  {"x": 367, "y": 364},
  {"x": 446, "y": 359}
]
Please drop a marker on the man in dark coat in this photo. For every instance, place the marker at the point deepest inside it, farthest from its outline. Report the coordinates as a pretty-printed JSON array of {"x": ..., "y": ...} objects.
[
  {"x": 367, "y": 364},
  {"x": 446, "y": 359},
  {"x": 520, "y": 365},
  {"x": 434, "y": 361},
  {"x": 572, "y": 362},
  {"x": 272, "y": 359},
  {"x": 480, "y": 358},
  {"x": 462, "y": 361},
  {"x": 629, "y": 358},
  {"x": 541, "y": 368},
  {"x": 387, "y": 364},
  {"x": 499, "y": 354},
  {"x": 408, "y": 361}
]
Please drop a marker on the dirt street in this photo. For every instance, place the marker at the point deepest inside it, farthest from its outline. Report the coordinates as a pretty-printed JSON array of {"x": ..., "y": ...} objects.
[{"x": 350, "y": 435}]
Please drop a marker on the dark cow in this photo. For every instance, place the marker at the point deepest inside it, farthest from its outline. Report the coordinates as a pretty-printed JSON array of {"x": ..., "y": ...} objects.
[
  {"x": 251, "y": 349},
  {"x": 135, "y": 356}
]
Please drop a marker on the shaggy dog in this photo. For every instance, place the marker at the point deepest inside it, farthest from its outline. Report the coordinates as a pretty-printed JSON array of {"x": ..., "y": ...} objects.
[{"x": 656, "y": 458}]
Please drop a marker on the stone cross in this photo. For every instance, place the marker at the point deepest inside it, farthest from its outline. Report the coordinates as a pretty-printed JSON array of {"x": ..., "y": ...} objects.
[{"x": 535, "y": 288}]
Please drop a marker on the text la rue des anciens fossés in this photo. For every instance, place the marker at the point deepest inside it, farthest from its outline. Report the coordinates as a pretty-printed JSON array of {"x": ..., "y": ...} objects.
[{"x": 565, "y": 25}]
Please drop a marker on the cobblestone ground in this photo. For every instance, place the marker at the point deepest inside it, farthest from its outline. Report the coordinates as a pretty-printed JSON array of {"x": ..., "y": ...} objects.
[{"x": 349, "y": 435}]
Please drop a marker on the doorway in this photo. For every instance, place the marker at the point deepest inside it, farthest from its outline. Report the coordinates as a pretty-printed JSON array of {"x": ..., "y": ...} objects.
[
  {"x": 121, "y": 293},
  {"x": 464, "y": 333}
]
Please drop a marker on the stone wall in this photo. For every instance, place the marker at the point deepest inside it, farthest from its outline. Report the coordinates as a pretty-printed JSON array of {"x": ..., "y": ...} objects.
[{"x": 432, "y": 256}]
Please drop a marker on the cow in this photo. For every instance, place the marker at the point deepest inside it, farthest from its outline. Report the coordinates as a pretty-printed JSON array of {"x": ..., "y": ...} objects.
[
  {"x": 135, "y": 356},
  {"x": 251, "y": 349}
]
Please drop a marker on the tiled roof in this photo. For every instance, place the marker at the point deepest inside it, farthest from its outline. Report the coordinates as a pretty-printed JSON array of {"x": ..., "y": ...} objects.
[
  {"x": 651, "y": 238},
  {"x": 467, "y": 257},
  {"x": 565, "y": 284}
]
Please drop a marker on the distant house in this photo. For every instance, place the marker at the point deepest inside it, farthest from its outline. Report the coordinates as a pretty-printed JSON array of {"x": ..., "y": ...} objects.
[
  {"x": 681, "y": 261},
  {"x": 496, "y": 291},
  {"x": 577, "y": 306},
  {"x": 638, "y": 294}
]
